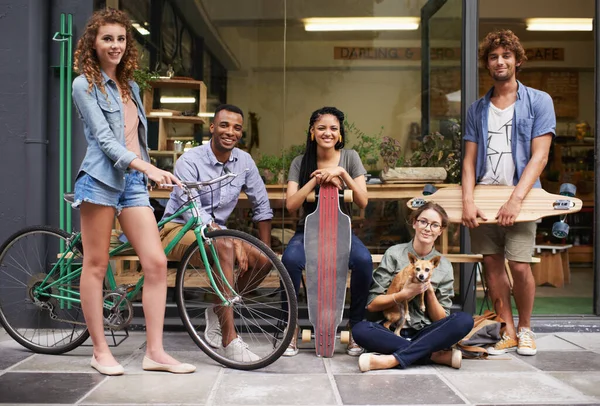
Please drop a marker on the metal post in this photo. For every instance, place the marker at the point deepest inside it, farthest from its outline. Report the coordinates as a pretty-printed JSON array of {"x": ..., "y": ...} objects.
[
  {"x": 469, "y": 84},
  {"x": 597, "y": 162}
]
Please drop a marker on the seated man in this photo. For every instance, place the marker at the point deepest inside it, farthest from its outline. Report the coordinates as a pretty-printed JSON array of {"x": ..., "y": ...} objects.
[{"x": 204, "y": 163}]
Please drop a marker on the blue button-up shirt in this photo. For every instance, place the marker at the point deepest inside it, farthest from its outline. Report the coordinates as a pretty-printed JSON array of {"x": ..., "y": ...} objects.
[
  {"x": 534, "y": 116},
  {"x": 103, "y": 116},
  {"x": 201, "y": 164}
]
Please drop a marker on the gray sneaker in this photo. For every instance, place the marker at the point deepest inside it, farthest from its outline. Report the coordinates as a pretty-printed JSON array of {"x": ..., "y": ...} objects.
[
  {"x": 212, "y": 332},
  {"x": 353, "y": 349},
  {"x": 237, "y": 350}
]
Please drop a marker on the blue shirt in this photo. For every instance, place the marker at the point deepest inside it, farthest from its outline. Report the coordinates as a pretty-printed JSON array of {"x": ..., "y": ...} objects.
[
  {"x": 534, "y": 116},
  {"x": 106, "y": 158},
  {"x": 201, "y": 164}
]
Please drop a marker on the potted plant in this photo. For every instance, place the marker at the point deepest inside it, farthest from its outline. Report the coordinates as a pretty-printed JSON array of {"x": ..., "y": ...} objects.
[
  {"x": 436, "y": 159},
  {"x": 439, "y": 151},
  {"x": 367, "y": 146},
  {"x": 274, "y": 168},
  {"x": 143, "y": 77},
  {"x": 390, "y": 151},
  {"x": 269, "y": 166}
]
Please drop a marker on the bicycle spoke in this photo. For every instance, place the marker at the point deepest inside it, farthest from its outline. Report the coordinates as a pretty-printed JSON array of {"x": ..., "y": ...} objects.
[
  {"x": 29, "y": 308},
  {"x": 261, "y": 308}
]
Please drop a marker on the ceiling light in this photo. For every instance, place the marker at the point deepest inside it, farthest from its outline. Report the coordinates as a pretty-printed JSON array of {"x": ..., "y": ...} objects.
[
  {"x": 206, "y": 114},
  {"x": 559, "y": 24},
  {"x": 174, "y": 100},
  {"x": 361, "y": 23},
  {"x": 161, "y": 114},
  {"x": 140, "y": 29}
]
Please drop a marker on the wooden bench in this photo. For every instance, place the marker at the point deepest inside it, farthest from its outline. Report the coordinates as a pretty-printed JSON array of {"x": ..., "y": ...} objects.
[{"x": 128, "y": 275}]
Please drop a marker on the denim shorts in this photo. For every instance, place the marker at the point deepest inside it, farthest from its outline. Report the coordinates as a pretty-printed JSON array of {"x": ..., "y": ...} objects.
[{"x": 91, "y": 190}]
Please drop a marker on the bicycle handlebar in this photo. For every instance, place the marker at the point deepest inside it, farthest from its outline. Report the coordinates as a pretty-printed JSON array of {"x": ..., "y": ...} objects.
[{"x": 200, "y": 184}]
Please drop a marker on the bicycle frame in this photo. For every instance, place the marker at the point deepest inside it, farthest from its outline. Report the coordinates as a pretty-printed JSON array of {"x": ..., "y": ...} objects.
[{"x": 64, "y": 264}]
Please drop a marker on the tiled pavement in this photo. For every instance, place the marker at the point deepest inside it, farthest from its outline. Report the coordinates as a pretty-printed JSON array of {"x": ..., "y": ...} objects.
[{"x": 565, "y": 371}]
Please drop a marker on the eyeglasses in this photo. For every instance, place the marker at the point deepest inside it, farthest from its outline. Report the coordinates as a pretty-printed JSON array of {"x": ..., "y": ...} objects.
[{"x": 432, "y": 226}]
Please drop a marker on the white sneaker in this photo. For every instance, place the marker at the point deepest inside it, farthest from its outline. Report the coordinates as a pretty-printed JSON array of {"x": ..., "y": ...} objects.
[
  {"x": 292, "y": 349},
  {"x": 237, "y": 350},
  {"x": 212, "y": 332}
]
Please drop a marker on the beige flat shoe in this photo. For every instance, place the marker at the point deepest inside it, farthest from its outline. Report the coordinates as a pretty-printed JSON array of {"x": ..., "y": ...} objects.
[
  {"x": 104, "y": 370},
  {"x": 364, "y": 362},
  {"x": 456, "y": 358},
  {"x": 149, "y": 365}
]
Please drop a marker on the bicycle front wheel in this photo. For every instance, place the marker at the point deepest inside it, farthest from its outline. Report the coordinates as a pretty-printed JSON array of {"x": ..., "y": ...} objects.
[
  {"x": 257, "y": 325},
  {"x": 39, "y": 301}
]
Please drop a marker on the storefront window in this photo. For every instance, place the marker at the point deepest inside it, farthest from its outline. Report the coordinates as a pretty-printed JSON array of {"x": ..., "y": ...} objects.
[
  {"x": 283, "y": 71},
  {"x": 561, "y": 64},
  {"x": 399, "y": 85}
]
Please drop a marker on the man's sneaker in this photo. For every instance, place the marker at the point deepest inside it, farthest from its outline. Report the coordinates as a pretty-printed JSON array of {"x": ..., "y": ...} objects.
[
  {"x": 212, "y": 332},
  {"x": 526, "y": 339},
  {"x": 503, "y": 346},
  {"x": 354, "y": 349},
  {"x": 292, "y": 349},
  {"x": 237, "y": 350}
]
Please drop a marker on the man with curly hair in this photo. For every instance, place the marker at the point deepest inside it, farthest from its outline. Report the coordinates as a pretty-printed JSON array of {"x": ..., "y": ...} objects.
[{"x": 507, "y": 140}]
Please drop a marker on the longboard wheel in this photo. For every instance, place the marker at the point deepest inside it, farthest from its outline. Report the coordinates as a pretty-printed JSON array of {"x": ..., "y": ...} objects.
[
  {"x": 345, "y": 337},
  {"x": 311, "y": 197},
  {"x": 348, "y": 196},
  {"x": 429, "y": 189},
  {"x": 306, "y": 336},
  {"x": 568, "y": 189},
  {"x": 560, "y": 229}
]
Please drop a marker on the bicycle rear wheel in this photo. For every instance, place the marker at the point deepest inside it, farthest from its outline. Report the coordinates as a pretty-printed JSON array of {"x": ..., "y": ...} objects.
[
  {"x": 30, "y": 311},
  {"x": 262, "y": 316}
]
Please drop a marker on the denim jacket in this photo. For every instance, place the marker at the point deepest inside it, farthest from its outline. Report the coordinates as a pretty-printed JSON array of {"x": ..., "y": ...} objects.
[
  {"x": 107, "y": 158},
  {"x": 534, "y": 116}
]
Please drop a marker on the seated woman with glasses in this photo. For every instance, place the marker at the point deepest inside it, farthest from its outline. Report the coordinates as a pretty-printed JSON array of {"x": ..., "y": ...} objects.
[{"x": 428, "y": 336}]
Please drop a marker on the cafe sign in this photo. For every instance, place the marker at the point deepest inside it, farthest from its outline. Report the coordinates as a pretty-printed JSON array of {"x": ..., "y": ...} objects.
[
  {"x": 436, "y": 54},
  {"x": 394, "y": 53},
  {"x": 545, "y": 54}
]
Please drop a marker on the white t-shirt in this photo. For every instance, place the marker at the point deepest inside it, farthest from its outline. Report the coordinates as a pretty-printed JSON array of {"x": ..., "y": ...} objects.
[{"x": 499, "y": 165}]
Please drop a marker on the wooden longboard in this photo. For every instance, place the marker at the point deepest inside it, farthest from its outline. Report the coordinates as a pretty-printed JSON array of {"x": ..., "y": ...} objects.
[
  {"x": 327, "y": 242},
  {"x": 537, "y": 204}
]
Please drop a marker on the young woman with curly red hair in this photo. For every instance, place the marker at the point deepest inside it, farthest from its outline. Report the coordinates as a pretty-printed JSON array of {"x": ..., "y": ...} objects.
[{"x": 113, "y": 180}]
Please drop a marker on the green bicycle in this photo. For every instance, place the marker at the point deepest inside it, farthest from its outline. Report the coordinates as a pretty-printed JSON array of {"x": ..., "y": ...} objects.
[{"x": 40, "y": 306}]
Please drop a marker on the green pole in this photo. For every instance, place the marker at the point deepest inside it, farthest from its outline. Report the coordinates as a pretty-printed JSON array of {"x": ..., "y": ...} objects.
[
  {"x": 61, "y": 145},
  {"x": 69, "y": 109},
  {"x": 61, "y": 130}
]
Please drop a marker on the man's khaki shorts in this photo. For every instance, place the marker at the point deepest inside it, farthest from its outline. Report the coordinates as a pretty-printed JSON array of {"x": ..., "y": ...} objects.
[
  {"x": 168, "y": 233},
  {"x": 515, "y": 242}
]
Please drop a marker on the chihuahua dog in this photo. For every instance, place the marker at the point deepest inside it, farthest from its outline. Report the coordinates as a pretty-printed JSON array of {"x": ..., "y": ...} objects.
[{"x": 419, "y": 271}]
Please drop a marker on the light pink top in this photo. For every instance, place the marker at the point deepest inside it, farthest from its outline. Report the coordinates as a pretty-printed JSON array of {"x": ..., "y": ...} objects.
[{"x": 132, "y": 122}]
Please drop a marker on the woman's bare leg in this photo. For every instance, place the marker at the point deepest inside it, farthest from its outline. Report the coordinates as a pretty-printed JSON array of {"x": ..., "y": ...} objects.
[
  {"x": 139, "y": 226},
  {"x": 96, "y": 225}
]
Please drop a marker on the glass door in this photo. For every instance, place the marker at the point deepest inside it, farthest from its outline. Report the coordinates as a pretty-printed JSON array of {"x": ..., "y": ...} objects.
[{"x": 449, "y": 55}]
